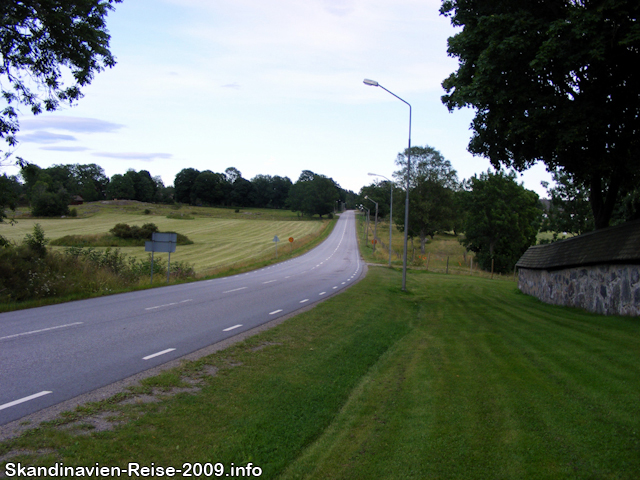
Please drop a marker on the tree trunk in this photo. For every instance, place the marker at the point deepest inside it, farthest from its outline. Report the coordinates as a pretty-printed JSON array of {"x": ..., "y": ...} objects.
[{"x": 602, "y": 203}]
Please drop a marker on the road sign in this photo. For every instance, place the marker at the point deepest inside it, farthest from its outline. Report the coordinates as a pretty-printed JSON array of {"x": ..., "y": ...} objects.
[
  {"x": 160, "y": 247},
  {"x": 162, "y": 242},
  {"x": 276, "y": 239},
  {"x": 164, "y": 237},
  {"x": 290, "y": 239}
]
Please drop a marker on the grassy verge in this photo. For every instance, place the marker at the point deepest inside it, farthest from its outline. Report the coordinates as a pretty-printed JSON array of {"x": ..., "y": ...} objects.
[
  {"x": 461, "y": 377},
  {"x": 443, "y": 253}
]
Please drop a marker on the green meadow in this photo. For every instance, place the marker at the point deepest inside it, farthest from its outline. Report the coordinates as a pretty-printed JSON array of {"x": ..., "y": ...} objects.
[{"x": 222, "y": 237}]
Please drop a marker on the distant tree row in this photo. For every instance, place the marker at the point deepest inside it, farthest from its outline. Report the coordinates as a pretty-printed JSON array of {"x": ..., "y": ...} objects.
[
  {"x": 49, "y": 191},
  {"x": 312, "y": 194},
  {"x": 231, "y": 189}
]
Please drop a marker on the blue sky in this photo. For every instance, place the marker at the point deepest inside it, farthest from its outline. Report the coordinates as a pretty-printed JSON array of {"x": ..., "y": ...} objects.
[{"x": 269, "y": 87}]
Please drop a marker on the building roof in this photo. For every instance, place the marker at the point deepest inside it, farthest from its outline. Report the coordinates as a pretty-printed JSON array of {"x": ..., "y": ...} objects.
[{"x": 613, "y": 245}]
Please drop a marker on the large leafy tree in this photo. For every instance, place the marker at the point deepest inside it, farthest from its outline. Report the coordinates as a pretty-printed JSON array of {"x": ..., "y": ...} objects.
[
  {"x": 49, "y": 50},
  {"x": 183, "y": 183},
  {"x": 554, "y": 81},
  {"x": 502, "y": 219},
  {"x": 432, "y": 183},
  {"x": 121, "y": 187}
]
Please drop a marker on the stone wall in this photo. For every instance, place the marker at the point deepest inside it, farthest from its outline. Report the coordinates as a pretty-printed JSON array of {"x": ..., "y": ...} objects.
[{"x": 604, "y": 289}]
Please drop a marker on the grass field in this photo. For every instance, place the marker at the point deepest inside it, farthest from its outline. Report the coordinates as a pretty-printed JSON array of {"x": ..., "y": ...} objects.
[
  {"x": 461, "y": 377},
  {"x": 221, "y": 237}
]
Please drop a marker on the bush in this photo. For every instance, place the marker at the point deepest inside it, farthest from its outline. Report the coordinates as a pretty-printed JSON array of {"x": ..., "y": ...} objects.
[
  {"x": 36, "y": 242},
  {"x": 122, "y": 230}
]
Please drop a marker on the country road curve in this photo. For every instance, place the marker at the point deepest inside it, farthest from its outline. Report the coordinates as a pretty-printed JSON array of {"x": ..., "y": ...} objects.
[{"x": 55, "y": 353}]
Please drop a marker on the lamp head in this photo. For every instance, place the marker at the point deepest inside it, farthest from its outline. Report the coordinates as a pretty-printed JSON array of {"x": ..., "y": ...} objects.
[{"x": 372, "y": 83}]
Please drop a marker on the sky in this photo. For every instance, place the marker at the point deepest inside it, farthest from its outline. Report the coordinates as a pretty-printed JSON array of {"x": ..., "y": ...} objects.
[{"x": 268, "y": 87}]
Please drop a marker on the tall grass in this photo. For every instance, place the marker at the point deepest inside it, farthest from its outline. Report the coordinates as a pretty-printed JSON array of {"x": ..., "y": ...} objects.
[{"x": 30, "y": 272}]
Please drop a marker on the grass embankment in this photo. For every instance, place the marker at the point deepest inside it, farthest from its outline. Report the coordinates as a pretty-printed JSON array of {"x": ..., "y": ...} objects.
[{"x": 461, "y": 377}]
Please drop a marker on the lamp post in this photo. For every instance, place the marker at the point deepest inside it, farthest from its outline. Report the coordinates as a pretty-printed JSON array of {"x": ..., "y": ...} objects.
[
  {"x": 375, "y": 228},
  {"x": 373, "y": 83},
  {"x": 367, "y": 225},
  {"x": 390, "y": 211}
]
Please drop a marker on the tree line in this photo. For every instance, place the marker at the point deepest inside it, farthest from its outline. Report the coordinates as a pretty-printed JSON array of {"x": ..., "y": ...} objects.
[{"x": 50, "y": 191}]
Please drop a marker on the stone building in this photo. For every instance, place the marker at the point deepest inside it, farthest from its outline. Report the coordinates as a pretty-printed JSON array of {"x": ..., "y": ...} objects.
[{"x": 598, "y": 271}]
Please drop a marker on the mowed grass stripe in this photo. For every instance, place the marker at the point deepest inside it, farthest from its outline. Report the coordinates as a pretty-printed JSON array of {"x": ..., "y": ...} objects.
[{"x": 484, "y": 389}]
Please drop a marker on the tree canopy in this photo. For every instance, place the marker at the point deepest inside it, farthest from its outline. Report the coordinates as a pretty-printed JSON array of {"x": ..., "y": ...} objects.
[
  {"x": 314, "y": 194},
  {"x": 554, "y": 81},
  {"x": 502, "y": 219},
  {"x": 432, "y": 184},
  {"x": 42, "y": 45}
]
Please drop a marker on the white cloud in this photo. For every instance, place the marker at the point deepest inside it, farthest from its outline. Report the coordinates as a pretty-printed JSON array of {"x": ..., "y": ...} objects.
[
  {"x": 68, "y": 123},
  {"x": 41, "y": 136},
  {"x": 145, "y": 157}
]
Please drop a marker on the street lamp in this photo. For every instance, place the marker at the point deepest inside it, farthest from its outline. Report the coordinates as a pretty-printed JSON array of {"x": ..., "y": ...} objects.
[
  {"x": 390, "y": 211},
  {"x": 373, "y": 83},
  {"x": 375, "y": 228}
]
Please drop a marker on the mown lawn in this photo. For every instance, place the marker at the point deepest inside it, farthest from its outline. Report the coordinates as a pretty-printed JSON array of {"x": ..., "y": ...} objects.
[{"x": 460, "y": 377}]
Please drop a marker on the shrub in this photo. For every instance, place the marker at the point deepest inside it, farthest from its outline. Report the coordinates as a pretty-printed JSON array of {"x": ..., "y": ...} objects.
[
  {"x": 122, "y": 230},
  {"x": 36, "y": 242}
]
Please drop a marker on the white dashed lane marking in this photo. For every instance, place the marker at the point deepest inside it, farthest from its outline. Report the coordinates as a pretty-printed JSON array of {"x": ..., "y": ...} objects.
[
  {"x": 24, "y": 399},
  {"x": 232, "y": 328},
  {"x": 149, "y": 357}
]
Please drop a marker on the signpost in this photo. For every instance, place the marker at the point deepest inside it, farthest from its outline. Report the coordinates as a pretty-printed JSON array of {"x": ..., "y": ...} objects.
[
  {"x": 164, "y": 243},
  {"x": 276, "y": 240}
]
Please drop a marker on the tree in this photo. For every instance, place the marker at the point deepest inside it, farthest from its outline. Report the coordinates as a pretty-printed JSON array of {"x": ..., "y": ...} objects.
[
  {"x": 47, "y": 201},
  {"x": 554, "y": 81},
  {"x": 242, "y": 193},
  {"x": 426, "y": 162},
  {"x": 211, "y": 188},
  {"x": 91, "y": 180},
  {"x": 121, "y": 187},
  {"x": 568, "y": 206},
  {"x": 502, "y": 219},
  {"x": 8, "y": 197},
  {"x": 313, "y": 194},
  {"x": 183, "y": 184},
  {"x": 43, "y": 44},
  {"x": 381, "y": 193},
  {"x": 432, "y": 183},
  {"x": 144, "y": 186}
]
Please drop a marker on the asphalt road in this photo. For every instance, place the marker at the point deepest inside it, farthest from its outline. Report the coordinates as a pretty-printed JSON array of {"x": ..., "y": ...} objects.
[{"x": 55, "y": 353}]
